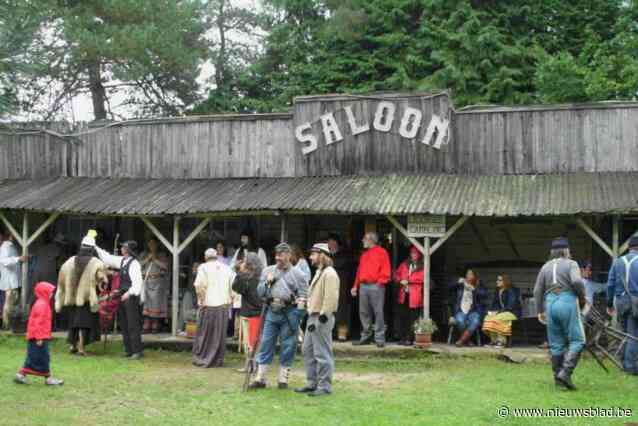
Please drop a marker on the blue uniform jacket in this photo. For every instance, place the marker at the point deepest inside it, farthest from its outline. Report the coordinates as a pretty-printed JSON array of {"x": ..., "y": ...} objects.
[
  {"x": 615, "y": 282},
  {"x": 511, "y": 302}
]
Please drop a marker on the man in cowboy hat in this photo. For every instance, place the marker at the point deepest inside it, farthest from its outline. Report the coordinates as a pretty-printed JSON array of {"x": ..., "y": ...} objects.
[
  {"x": 323, "y": 300},
  {"x": 132, "y": 292},
  {"x": 559, "y": 294}
]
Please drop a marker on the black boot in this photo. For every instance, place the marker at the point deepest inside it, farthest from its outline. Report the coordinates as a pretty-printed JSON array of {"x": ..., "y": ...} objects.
[
  {"x": 557, "y": 364},
  {"x": 564, "y": 376}
]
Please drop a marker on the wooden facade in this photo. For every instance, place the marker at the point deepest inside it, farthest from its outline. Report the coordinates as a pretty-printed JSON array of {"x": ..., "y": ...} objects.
[{"x": 520, "y": 140}]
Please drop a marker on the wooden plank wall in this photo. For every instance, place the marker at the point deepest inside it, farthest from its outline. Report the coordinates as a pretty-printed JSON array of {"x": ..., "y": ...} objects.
[
  {"x": 593, "y": 138},
  {"x": 216, "y": 147},
  {"x": 33, "y": 156}
]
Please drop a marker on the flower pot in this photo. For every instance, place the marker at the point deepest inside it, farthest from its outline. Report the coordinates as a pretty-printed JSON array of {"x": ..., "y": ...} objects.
[
  {"x": 191, "y": 329},
  {"x": 423, "y": 340}
]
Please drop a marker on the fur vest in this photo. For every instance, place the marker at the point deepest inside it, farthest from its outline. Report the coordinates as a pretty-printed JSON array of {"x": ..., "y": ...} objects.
[{"x": 94, "y": 275}]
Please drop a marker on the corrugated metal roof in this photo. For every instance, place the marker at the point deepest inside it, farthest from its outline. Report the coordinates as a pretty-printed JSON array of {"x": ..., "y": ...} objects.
[{"x": 507, "y": 195}]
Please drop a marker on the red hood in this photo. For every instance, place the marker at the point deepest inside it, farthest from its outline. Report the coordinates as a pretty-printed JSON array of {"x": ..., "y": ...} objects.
[{"x": 44, "y": 290}]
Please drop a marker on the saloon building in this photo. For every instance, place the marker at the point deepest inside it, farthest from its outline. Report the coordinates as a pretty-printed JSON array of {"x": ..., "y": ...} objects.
[{"x": 486, "y": 187}]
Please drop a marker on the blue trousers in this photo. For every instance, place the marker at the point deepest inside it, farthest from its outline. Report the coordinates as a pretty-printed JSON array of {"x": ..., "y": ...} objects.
[
  {"x": 276, "y": 326},
  {"x": 38, "y": 359},
  {"x": 470, "y": 321},
  {"x": 629, "y": 325},
  {"x": 565, "y": 331}
]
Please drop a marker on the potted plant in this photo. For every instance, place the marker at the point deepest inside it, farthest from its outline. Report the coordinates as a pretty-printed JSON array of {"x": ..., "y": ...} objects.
[
  {"x": 191, "y": 323},
  {"x": 423, "y": 329}
]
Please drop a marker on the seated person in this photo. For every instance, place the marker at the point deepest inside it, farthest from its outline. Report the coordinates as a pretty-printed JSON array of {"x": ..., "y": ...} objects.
[
  {"x": 505, "y": 308},
  {"x": 470, "y": 307}
]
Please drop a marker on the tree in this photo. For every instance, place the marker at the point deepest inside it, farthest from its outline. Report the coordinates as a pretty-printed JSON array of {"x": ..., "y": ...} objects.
[
  {"x": 19, "y": 21},
  {"x": 146, "y": 51}
]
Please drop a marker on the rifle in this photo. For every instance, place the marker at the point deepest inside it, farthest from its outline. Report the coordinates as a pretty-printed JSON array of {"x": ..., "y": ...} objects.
[{"x": 251, "y": 366}]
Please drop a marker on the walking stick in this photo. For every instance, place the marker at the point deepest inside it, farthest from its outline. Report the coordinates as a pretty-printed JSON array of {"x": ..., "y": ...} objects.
[{"x": 250, "y": 366}]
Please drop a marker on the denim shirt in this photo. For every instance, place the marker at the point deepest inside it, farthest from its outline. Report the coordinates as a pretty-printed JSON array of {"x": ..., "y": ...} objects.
[{"x": 616, "y": 280}]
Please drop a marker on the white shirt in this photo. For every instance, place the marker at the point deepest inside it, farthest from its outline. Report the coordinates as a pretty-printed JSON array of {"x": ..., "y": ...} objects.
[
  {"x": 216, "y": 279},
  {"x": 10, "y": 276},
  {"x": 134, "y": 271}
]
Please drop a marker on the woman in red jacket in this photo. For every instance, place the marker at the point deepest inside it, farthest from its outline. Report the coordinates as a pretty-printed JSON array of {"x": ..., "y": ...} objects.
[
  {"x": 38, "y": 335},
  {"x": 409, "y": 276}
]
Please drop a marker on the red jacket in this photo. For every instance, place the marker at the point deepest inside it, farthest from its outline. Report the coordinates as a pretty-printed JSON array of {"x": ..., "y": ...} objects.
[
  {"x": 41, "y": 317},
  {"x": 415, "y": 284},
  {"x": 374, "y": 267}
]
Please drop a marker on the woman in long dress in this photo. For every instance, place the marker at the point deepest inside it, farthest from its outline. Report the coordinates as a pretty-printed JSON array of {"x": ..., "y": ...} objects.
[{"x": 155, "y": 271}]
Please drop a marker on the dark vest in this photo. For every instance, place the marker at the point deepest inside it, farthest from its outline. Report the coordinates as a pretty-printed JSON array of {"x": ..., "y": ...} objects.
[{"x": 125, "y": 277}]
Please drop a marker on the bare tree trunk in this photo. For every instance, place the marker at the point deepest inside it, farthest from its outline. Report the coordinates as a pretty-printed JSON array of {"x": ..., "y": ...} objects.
[
  {"x": 98, "y": 93},
  {"x": 220, "y": 63}
]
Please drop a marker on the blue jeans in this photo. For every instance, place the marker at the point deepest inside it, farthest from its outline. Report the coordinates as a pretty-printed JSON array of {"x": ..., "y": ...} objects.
[
  {"x": 276, "y": 326},
  {"x": 565, "y": 331},
  {"x": 629, "y": 325},
  {"x": 470, "y": 321}
]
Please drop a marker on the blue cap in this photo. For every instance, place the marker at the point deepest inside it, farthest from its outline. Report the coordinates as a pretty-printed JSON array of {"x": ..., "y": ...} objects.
[{"x": 560, "y": 243}]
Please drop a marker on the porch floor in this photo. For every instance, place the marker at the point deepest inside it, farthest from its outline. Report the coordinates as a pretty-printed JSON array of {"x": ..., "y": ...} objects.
[{"x": 345, "y": 349}]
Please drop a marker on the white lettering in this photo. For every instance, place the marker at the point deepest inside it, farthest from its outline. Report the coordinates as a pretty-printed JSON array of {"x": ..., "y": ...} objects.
[
  {"x": 410, "y": 123},
  {"x": 309, "y": 138},
  {"x": 354, "y": 127},
  {"x": 384, "y": 116},
  {"x": 330, "y": 129},
  {"x": 440, "y": 126}
]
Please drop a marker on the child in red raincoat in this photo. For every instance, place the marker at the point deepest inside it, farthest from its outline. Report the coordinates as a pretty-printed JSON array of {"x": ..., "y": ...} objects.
[{"x": 38, "y": 336}]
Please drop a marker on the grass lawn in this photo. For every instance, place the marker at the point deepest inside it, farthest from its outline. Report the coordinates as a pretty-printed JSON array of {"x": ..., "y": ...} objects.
[{"x": 164, "y": 389}]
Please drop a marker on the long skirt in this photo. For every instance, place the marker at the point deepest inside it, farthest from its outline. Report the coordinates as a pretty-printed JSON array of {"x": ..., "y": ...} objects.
[
  {"x": 37, "y": 363},
  {"x": 156, "y": 298},
  {"x": 499, "y": 324},
  {"x": 83, "y": 321},
  {"x": 250, "y": 331},
  {"x": 209, "y": 346}
]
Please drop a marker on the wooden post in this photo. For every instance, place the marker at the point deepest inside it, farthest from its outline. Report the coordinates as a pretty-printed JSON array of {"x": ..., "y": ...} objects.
[
  {"x": 25, "y": 265},
  {"x": 284, "y": 228},
  {"x": 616, "y": 235},
  {"x": 595, "y": 237},
  {"x": 426, "y": 278},
  {"x": 175, "y": 275}
]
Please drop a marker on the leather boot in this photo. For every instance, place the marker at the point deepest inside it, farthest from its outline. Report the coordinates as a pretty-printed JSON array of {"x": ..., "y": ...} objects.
[
  {"x": 564, "y": 376},
  {"x": 282, "y": 380},
  {"x": 260, "y": 380},
  {"x": 557, "y": 364},
  {"x": 464, "y": 338}
]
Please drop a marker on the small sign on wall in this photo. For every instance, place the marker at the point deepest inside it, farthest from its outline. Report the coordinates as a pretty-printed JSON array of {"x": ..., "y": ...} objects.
[{"x": 420, "y": 226}]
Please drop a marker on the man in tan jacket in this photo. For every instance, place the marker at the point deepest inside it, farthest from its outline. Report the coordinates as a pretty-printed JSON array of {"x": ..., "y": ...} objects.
[{"x": 323, "y": 300}]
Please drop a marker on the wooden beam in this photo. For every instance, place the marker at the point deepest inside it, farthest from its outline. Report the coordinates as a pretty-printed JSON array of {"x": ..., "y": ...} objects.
[
  {"x": 284, "y": 228},
  {"x": 449, "y": 233},
  {"x": 615, "y": 234},
  {"x": 42, "y": 228},
  {"x": 25, "y": 265},
  {"x": 426, "y": 279},
  {"x": 175, "y": 303},
  {"x": 624, "y": 247},
  {"x": 580, "y": 222},
  {"x": 510, "y": 241},
  {"x": 193, "y": 235},
  {"x": 404, "y": 231},
  {"x": 11, "y": 229},
  {"x": 158, "y": 234},
  {"x": 479, "y": 237}
]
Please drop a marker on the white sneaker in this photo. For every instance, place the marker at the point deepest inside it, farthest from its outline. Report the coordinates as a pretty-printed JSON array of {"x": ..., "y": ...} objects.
[
  {"x": 53, "y": 382},
  {"x": 20, "y": 379}
]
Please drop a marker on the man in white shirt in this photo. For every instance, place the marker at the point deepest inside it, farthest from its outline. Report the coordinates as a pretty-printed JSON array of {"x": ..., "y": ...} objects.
[
  {"x": 132, "y": 292},
  {"x": 213, "y": 286}
]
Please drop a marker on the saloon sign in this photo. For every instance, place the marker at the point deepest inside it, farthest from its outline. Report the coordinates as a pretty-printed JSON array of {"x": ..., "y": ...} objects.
[{"x": 409, "y": 121}]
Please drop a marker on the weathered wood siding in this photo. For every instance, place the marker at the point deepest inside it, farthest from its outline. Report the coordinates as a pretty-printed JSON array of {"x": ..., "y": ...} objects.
[
  {"x": 371, "y": 152},
  {"x": 590, "y": 138},
  {"x": 32, "y": 156},
  {"x": 237, "y": 146}
]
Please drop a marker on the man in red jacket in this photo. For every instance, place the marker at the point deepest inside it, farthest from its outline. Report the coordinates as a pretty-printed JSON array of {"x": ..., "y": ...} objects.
[{"x": 372, "y": 276}]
